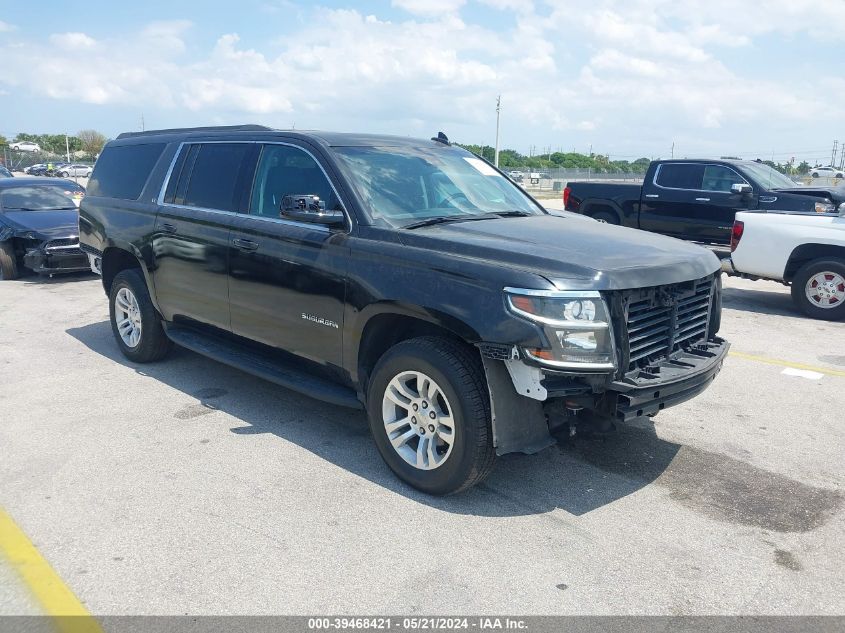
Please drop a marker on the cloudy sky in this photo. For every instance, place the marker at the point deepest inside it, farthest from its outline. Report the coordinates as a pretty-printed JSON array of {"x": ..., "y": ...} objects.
[{"x": 629, "y": 78}]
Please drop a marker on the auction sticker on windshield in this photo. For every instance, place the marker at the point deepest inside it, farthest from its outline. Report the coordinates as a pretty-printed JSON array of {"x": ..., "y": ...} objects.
[{"x": 482, "y": 167}]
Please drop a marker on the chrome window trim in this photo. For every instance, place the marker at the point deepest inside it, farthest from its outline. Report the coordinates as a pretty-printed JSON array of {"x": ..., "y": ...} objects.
[
  {"x": 310, "y": 225},
  {"x": 160, "y": 201},
  {"x": 659, "y": 167}
]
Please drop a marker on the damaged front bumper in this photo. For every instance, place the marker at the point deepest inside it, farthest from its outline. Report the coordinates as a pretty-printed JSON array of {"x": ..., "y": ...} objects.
[
  {"x": 56, "y": 256},
  {"x": 526, "y": 399}
]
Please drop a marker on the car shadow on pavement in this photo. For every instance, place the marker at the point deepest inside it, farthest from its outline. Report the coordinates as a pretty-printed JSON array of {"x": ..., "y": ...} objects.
[
  {"x": 576, "y": 476},
  {"x": 43, "y": 280},
  {"x": 759, "y": 301}
]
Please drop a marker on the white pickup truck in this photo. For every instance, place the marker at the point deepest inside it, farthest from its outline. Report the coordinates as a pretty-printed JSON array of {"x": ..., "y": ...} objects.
[{"x": 806, "y": 250}]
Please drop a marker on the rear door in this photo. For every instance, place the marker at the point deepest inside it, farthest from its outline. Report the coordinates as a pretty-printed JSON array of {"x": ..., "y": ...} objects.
[
  {"x": 287, "y": 278},
  {"x": 669, "y": 203},
  {"x": 191, "y": 238}
]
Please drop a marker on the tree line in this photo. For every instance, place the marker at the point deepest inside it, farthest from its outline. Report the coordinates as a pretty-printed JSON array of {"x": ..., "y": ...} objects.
[
  {"x": 510, "y": 159},
  {"x": 88, "y": 141}
]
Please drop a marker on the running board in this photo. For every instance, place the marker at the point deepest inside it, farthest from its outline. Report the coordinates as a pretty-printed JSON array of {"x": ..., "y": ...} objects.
[{"x": 281, "y": 372}]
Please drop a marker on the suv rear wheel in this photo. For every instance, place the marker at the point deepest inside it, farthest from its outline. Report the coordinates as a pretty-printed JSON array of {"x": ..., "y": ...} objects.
[
  {"x": 134, "y": 320},
  {"x": 429, "y": 413},
  {"x": 818, "y": 289}
]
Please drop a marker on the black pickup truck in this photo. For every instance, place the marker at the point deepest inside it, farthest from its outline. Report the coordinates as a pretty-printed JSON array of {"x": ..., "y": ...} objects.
[
  {"x": 405, "y": 277},
  {"x": 696, "y": 199}
]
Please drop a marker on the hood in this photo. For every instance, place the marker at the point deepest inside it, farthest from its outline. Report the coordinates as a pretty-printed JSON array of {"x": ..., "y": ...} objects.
[
  {"x": 572, "y": 254},
  {"x": 836, "y": 194},
  {"x": 47, "y": 224}
]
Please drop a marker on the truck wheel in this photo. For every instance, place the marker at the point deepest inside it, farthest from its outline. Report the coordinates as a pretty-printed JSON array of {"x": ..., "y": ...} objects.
[
  {"x": 8, "y": 262},
  {"x": 134, "y": 320},
  {"x": 606, "y": 216},
  {"x": 818, "y": 289},
  {"x": 429, "y": 413}
]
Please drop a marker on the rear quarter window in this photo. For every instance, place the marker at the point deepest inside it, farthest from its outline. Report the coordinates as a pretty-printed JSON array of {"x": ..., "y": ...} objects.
[{"x": 121, "y": 171}]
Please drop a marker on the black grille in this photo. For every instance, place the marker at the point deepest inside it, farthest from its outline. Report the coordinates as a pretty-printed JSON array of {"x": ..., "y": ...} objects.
[{"x": 665, "y": 318}]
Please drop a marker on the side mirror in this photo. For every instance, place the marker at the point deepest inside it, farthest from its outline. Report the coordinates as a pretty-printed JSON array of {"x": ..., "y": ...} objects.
[
  {"x": 742, "y": 189},
  {"x": 309, "y": 208}
]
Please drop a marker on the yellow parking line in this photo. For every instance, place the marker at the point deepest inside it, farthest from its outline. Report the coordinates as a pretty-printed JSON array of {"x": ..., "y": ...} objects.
[
  {"x": 786, "y": 363},
  {"x": 52, "y": 593}
]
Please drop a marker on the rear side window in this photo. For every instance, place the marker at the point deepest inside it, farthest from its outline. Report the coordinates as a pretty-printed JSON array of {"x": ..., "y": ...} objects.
[
  {"x": 122, "y": 171},
  {"x": 680, "y": 175},
  {"x": 213, "y": 176}
]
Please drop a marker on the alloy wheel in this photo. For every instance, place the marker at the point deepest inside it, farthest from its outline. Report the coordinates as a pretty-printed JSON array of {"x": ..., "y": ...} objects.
[{"x": 418, "y": 420}]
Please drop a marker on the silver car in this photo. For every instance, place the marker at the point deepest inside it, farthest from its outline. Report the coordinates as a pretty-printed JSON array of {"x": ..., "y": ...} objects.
[{"x": 80, "y": 170}]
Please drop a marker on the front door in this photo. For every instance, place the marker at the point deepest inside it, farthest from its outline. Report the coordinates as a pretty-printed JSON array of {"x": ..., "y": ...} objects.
[
  {"x": 191, "y": 238},
  {"x": 287, "y": 278}
]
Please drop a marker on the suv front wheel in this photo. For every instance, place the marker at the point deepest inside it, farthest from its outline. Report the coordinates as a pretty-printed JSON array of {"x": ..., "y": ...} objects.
[
  {"x": 429, "y": 414},
  {"x": 134, "y": 320}
]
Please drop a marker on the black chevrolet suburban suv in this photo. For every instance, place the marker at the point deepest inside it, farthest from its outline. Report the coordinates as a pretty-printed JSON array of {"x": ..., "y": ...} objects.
[
  {"x": 405, "y": 277},
  {"x": 697, "y": 199}
]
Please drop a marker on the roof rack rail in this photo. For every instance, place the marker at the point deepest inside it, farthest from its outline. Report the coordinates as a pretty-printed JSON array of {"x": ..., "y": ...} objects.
[{"x": 213, "y": 128}]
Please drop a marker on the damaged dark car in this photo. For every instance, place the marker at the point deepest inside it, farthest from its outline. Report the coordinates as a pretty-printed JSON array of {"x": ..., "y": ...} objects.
[
  {"x": 405, "y": 277},
  {"x": 39, "y": 228}
]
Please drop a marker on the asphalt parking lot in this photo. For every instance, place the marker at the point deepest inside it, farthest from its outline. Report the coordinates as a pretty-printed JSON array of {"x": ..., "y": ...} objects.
[{"x": 189, "y": 487}]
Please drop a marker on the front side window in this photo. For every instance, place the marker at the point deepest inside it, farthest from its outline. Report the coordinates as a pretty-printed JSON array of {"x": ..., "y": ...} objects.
[
  {"x": 680, "y": 175},
  {"x": 214, "y": 176},
  {"x": 403, "y": 185},
  {"x": 721, "y": 178},
  {"x": 288, "y": 171}
]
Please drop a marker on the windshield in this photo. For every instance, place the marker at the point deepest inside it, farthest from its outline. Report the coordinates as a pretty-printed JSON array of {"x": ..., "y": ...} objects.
[
  {"x": 35, "y": 198},
  {"x": 401, "y": 186},
  {"x": 768, "y": 177}
]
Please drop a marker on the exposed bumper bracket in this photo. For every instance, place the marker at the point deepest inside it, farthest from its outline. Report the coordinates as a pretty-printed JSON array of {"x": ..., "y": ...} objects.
[{"x": 519, "y": 423}]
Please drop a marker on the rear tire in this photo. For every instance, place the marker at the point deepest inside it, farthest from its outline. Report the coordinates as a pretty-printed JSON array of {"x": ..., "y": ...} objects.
[
  {"x": 446, "y": 382},
  {"x": 816, "y": 284},
  {"x": 135, "y": 323},
  {"x": 606, "y": 216},
  {"x": 8, "y": 262}
]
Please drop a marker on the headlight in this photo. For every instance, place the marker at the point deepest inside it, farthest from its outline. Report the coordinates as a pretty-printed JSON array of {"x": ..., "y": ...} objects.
[
  {"x": 576, "y": 323},
  {"x": 824, "y": 207}
]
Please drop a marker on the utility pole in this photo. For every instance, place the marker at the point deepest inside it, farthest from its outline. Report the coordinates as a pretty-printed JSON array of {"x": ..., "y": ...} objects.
[
  {"x": 673, "y": 149},
  {"x": 833, "y": 153},
  {"x": 67, "y": 148},
  {"x": 498, "y": 109},
  {"x": 142, "y": 122}
]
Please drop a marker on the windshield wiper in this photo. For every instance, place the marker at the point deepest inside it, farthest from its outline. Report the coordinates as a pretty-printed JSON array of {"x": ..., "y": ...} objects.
[
  {"x": 444, "y": 219},
  {"x": 40, "y": 208}
]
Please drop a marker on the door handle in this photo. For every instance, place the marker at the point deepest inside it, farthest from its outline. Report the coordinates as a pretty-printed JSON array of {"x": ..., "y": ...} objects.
[
  {"x": 651, "y": 195},
  {"x": 168, "y": 228},
  {"x": 247, "y": 245},
  {"x": 702, "y": 199}
]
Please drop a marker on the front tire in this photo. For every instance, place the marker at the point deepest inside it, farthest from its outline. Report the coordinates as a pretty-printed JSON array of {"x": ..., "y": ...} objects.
[
  {"x": 135, "y": 323},
  {"x": 818, "y": 289},
  {"x": 429, "y": 413},
  {"x": 8, "y": 261}
]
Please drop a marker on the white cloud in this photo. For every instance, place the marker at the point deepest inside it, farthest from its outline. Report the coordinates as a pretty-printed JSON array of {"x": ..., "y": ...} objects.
[
  {"x": 638, "y": 74},
  {"x": 429, "y": 7},
  {"x": 72, "y": 41},
  {"x": 5, "y": 27}
]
